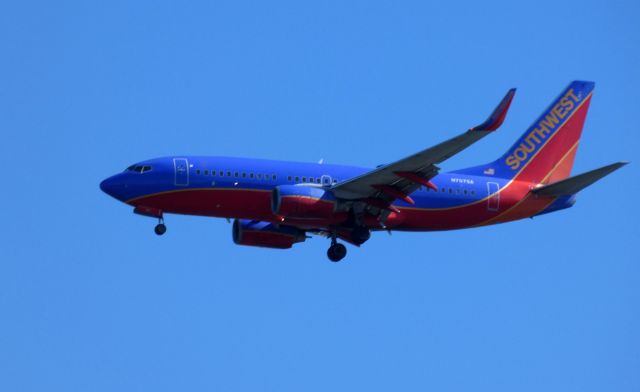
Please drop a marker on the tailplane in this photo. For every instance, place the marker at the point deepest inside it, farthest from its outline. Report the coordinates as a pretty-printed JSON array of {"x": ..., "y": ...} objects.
[{"x": 575, "y": 184}]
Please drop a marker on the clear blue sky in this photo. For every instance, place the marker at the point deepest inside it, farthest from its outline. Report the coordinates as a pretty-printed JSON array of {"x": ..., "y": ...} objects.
[{"x": 92, "y": 300}]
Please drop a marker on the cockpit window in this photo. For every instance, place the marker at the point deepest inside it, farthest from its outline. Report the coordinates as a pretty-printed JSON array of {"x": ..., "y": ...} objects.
[{"x": 139, "y": 168}]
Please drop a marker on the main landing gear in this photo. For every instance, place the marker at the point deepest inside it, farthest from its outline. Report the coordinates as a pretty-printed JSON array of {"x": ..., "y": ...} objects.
[
  {"x": 336, "y": 251},
  {"x": 160, "y": 228}
]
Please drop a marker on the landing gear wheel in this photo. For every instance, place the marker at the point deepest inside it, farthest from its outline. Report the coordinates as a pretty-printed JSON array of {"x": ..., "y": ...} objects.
[
  {"x": 336, "y": 252},
  {"x": 160, "y": 229}
]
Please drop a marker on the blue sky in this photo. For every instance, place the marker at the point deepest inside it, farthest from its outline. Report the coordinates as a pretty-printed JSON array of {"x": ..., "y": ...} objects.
[{"x": 91, "y": 299}]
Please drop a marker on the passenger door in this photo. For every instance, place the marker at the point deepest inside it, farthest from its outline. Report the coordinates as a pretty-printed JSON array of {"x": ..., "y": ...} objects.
[
  {"x": 493, "y": 202},
  {"x": 181, "y": 166}
]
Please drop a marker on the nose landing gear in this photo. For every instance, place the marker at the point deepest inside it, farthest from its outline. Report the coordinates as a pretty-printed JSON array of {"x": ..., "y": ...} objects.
[{"x": 160, "y": 228}]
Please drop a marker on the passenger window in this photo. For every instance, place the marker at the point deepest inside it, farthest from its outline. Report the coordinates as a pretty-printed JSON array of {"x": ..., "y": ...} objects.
[
  {"x": 465, "y": 192},
  {"x": 244, "y": 175},
  {"x": 206, "y": 172},
  {"x": 198, "y": 172},
  {"x": 259, "y": 176},
  {"x": 274, "y": 177},
  {"x": 318, "y": 180},
  {"x": 221, "y": 173},
  {"x": 250, "y": 175},
  {"x": 297, "y": 179},
  {"x": 304, "y": 179},
  {"x": 236, "y": 174},
  {"x": 228, "y": 174},
  {"x": 288, "y": 178}
]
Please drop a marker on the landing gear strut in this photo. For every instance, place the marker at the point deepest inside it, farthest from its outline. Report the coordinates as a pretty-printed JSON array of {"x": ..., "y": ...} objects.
[
  {"x": 336, "y": 251},
  {"x": 160, "y": 228}
]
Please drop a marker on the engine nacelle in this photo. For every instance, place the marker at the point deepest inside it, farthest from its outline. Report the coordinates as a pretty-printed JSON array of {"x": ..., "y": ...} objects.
[
  {"x": 303, "y": 201},
  {"x": 265, "y": 234}
]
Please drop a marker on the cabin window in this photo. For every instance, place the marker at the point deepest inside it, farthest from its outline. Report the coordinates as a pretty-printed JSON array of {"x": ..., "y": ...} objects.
[
  {"x": 288, "y": 178},
  {"x": 250, "y": 175},
  {"x": 244, "y": 175},
  {"x": 206, "y": 172},
  {"x": 228, "y": 174},
  {"x": 318, "y": 180},
  {"x": 198, "y": 171},
  {"x": 297, "y": 179},
  {"x": 465, "y": 192},
  {"x": 274, "y": 177},
  {"x": 259, "y": 175}
]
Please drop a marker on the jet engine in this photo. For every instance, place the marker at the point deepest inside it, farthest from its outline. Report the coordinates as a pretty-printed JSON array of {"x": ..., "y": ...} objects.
[
  {"x": 303, "y": 201},
  {"x": 265, "y": 234}
]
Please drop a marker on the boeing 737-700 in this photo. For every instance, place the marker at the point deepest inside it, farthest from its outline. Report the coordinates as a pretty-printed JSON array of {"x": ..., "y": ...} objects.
[{"x": 276, "y": 204}]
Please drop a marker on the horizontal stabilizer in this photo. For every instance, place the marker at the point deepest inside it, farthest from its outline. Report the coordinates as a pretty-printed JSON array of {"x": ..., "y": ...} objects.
[{"x": 577, "y": 183}]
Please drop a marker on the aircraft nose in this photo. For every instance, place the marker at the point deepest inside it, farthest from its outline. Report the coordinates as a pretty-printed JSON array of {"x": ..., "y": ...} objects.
[{"x": 113, "y": 186}]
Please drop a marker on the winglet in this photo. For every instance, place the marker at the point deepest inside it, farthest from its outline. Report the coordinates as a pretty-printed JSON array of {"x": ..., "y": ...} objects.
[{"x": 497, "y": 117}]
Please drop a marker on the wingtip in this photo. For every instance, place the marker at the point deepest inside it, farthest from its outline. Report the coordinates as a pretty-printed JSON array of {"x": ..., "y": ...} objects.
[{"x": 498, "y": 115}]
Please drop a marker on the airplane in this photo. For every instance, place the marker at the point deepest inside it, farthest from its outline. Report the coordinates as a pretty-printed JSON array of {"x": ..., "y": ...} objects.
[{"x": 276, "y": 204}]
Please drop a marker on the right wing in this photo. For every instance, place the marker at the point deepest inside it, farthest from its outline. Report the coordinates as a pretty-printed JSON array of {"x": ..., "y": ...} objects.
[{"x": 381, "y": 186}]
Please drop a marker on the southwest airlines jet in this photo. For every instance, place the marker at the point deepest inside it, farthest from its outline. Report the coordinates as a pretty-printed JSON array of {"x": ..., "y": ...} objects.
[{"x": 276, "y": 204}]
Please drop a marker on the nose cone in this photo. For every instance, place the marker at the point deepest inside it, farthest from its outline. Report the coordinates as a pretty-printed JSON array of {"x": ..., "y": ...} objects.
[{"x": 113, "y": 186}]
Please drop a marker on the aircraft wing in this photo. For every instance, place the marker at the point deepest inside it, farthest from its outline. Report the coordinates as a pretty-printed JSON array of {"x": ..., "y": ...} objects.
[{"x": 398, "y": 180}]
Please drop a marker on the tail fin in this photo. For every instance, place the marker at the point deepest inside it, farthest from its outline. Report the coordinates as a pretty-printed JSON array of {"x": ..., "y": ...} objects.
[{"x": 546, "y": 151}]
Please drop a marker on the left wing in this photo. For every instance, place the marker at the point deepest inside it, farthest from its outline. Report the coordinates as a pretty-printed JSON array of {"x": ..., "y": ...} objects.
[{"x": 380, "y": 187}]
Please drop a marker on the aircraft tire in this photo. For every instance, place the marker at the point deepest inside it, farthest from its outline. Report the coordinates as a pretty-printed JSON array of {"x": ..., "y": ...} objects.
[
  {"x": 336, "y": 252},
  {"x": 160, "y": 229}
]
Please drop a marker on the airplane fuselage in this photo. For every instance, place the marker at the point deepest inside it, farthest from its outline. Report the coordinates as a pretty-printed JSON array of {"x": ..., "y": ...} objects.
[{"x": 242, "y": 188}]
